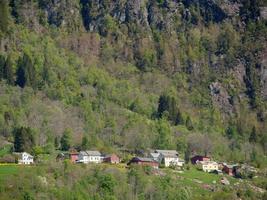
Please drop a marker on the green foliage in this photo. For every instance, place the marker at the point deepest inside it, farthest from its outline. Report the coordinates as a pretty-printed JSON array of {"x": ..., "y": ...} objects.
[
  {"x": 65, "y": 141},
  {"x": 138, "y": 78},
  {"x": 164, "y": 137},
  {"x": 168, "y": 108},
  {"x": 4, "y": 16},
  {"x": 189, "y": 123},
  {"x": 24, "y": 139},
  {"x": 85, "y": 143},
  {"x": 8, "y": 71},
  {"x": 26, "y": 74}
]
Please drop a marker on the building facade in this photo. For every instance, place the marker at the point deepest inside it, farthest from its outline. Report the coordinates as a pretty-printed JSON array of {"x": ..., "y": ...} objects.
[
  {"x": 90, "y": 157},
  {"x": 25, "y": 158},
  {"x": 144, "y": 162},
  {"x": 112, "y": 158},
  {"x": 169, "y": 158},
  {"x": 208, "y": 166}
]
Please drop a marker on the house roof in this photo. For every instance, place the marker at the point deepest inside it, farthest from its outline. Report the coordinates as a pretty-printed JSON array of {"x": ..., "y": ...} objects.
[
  {"x": 208, "y": 162},
  {"x": 230, "y": 166},
  {"x": 20, "y": 153},
  {"x": 110, "y": 155},
  {"x": 144, "y": 159},
  {"x": 155, "y": 155},
  {"x": 93, "y": 153},
  {"x": 168, "y": 153},
  {"x": 200, "y": 156}
]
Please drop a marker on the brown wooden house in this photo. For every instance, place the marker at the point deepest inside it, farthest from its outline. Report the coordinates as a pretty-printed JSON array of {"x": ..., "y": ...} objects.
[
  {"x": 112, "y": 158},
  {"x": 144, "y": 162}
]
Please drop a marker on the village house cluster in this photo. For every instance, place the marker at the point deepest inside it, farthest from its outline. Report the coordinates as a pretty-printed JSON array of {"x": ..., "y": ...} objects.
[
  {"x": 165, "y": 157},
  {"x": 154, "y": 159}
]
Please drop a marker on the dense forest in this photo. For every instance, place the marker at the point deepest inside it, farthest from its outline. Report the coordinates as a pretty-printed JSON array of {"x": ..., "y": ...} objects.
[{"x": 115, "y": 75}]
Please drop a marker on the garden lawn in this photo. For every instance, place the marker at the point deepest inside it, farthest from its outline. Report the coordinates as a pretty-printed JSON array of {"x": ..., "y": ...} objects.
[
  {"x": 204, "y": 177},
  {"x": 6, "y": 170}
]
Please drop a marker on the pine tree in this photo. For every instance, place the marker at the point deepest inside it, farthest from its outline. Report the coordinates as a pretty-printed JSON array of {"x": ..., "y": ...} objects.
[
  {"x": 23, "y": 139},
  {"x": 21, "y": 77},
  {"x": 66, "y": 140},
  {"x": 2, "y": 65},
  {"x": 179, "y": 118},
  {"x": 8, "y": 71},
  {"x": 85, "y": 143},
  {"x": 4, "y": 15},
  {"x": 56, "y": 142},
  {"x": 253, "y": 135},
  {"x": 189, "y": 124},
  {"x": 26, "y": 75}
]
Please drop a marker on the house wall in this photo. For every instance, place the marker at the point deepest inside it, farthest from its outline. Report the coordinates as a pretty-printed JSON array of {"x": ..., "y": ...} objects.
[
  {"x": 90, "y": 159},
  {"x": 26, "y": 159},
  {"x": 209, "y": 167},
  {"x": 112, "y": 159},
  {"x": 151, "y": 164},
  {"x": 74, "y": 157},
  {"x": 168, "y": 161}
]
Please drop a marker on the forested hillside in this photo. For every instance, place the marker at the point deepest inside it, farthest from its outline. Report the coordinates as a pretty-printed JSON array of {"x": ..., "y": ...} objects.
[{"x": 189, "y": 75}]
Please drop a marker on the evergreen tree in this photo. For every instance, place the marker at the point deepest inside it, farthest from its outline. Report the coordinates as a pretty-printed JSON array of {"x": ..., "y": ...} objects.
[
  {"x": 163, "y": 140},
  {"x": 189, "y": 124},
  {"x": 26, "y": 75},
  {"x": 250, "y": 10},
  {"x": 85, "y": 143},
  {"x": 231, "y": 132},
  {"x": 179, "y": 118},
  {"x": 167, "y": 106},
  {"x": 21, "y": 77},
  {"x": 56, "y": 142},
  {"x": 4, "y": 15},
  {"x": 8, "y": 71},
  {"x": 253, "y": 135},
  {"x": 2, "y": 65},
  {"x": 65, "y": 141},
  {"x": 23, "y": 139},
  {"x": 163, "y": 105}
]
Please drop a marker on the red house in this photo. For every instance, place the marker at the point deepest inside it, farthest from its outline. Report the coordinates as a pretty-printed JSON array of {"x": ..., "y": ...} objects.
[
  {"x": 144, "y": 162},
  {"x": 198, "y": 158},
  {"x": 112, "y": 158},
  {"x": 73, "y": 156},
  {"x": 229, "y": 169}
]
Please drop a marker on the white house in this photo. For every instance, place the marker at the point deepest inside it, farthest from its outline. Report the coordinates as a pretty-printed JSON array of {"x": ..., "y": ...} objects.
[
  {"x": 208, "y": 166},
  {"x": 25, "y": 158},
  {"x": 90, "y": 157},
  {"x": 169, "y": 158}
]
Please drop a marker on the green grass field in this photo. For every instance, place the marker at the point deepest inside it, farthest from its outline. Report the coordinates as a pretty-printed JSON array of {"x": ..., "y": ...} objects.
[
  {"x": 8, "y": 169},
  {"x": 204, "y": 177}
]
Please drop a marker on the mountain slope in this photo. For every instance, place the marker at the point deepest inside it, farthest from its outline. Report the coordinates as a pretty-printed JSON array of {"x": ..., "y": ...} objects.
[{"x": 137, "y": 75}]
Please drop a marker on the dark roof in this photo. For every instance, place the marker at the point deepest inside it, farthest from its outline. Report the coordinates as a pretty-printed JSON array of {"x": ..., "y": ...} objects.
[
  {"x": 143, "y": 159},
  {"x": 168, "y": 153}
]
